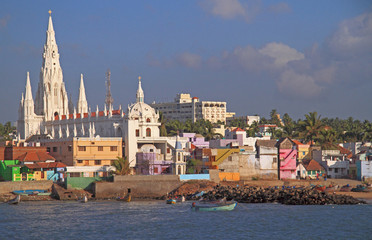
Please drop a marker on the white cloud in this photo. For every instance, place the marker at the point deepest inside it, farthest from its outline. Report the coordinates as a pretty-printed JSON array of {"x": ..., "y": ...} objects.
[
  {"x": 224, "y": 8},
  {"x": 189, "y": 60},
  {"x": 281, "y": 53},
  {"x": 353, "y": 37},
  {"x": 299, "y": 85}
]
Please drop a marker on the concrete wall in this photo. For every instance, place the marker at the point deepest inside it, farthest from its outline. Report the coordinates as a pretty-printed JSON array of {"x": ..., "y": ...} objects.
[
  {"x": 141, "y": 186},
  {"x": 7, "y": 187}
]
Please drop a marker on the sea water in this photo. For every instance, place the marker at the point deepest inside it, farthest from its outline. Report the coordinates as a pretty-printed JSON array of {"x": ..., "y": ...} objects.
[{"x": 157, "y": 220}]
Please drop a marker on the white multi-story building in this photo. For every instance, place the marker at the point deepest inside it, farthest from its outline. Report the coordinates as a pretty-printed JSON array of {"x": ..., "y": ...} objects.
[{"x": 184, "y": 108}]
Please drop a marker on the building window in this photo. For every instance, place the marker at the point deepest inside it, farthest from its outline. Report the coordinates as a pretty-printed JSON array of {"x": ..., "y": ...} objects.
[
  {"x": 168, "y": 150},
  {"x": 113, "y": 148},
  {"x": 69, "y": 148},
  {"x": 97, "y": 162},
  {"x": 275, "y": 160},
  {"x": 80, "y": 161},
  {"x": 137, "y": 132},
  {"x": 148, "y": 132},
  {"x": 336, "y": 170},
  {"x": 156, "y": 170},
  {"x": 100, "y": 148},
  {"x": 82, "y": 148},
  {"x": 55, "y": 149},
  {"x": 148, "y": 120},
  {"x": 48, "y": 149}
]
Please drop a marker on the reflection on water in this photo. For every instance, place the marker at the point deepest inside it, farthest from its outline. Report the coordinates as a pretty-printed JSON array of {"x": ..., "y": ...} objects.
[{"x": 157, "y": 220}]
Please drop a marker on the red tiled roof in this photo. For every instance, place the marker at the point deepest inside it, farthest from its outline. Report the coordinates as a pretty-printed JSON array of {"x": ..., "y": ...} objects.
[
  {"x": 312, "y": 165},
  {"x": 85, "y": 115},
  {"x": 35, "y": 157},
  {"x": 56, "y": 117},
  {"x": 78, "y": 115},
  {"x": 297, "y": 142},
  {"x": 238, "y": 130},
  {"x": 70, "y": 116},
  {"x": 345, "y": 151},
  {"x": 46, "y": 165},
  {"x": 193, "y": 146},
  {"x": 101, "y": 113},
  {"x": 93, "y": 114},
  {"x": 115, "y": 112}
]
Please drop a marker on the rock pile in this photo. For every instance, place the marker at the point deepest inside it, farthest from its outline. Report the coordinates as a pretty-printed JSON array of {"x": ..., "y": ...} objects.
[{"x": 289, "y": 196}]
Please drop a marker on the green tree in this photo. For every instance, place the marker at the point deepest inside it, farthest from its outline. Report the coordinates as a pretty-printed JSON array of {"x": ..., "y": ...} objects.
[
  {"x": 311, "y": 127},
  {"x": 163, "y": 129},
  {"x": 122, "y": 166}
]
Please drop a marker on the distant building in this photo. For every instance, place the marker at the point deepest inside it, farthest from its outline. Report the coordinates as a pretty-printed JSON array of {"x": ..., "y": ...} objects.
[
  {"x": 186, "y": 108},
  {"x": 287, "y": 158},
  {"x": 335, "y": 163},
  {"x": 246, "y": 119},
  {"x": 364, "y": 165},
  {"x": 309, "y": 169}
]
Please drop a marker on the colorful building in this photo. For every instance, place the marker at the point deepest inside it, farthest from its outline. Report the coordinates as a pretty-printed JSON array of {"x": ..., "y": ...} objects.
[
  {"x": 287, "y": 155},
  {"x": 310, "y": 169},
  {"x": 303, "y": 150}
]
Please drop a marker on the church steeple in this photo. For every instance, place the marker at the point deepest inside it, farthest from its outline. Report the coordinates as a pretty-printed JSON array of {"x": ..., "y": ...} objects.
[
  {"x": 82, "y": 104},
  {"x": 28, "y": 95},
  {"x": 140, "y": 95},
  {"x": 51, "y": 97}
]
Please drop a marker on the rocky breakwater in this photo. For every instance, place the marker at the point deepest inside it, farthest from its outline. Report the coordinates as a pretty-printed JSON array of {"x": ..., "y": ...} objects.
[{"x": 288, "y": 196}]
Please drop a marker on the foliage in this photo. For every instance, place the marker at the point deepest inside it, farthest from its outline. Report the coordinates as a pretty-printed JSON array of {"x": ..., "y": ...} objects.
[
  {"x": 6, "y": 129},
  {"x": 201, "y": 126},
  {"x": 122, "y": 166},
  {"x": 193, "y": 166}
]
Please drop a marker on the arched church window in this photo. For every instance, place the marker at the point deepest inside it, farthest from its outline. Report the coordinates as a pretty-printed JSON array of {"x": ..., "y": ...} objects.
[
  {"x": 137, "y": 132},
  {"x": 148, "y": 132},
  {"x": 148, "y": 120}
]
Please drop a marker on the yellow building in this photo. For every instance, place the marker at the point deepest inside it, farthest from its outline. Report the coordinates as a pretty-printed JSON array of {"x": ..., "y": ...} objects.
[
  {"x": 303, "y": 151},
  {"x": 85, "y": 151}
]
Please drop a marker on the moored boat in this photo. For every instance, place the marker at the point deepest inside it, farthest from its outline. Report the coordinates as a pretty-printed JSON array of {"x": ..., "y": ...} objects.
[
  {"x": 211, "y": 207},
  {"x": 16, "y": 200},
  {"x": 127, "y": 198},
  {"x": 171, "y": 201},
  {"x": 32, "y": 192}
]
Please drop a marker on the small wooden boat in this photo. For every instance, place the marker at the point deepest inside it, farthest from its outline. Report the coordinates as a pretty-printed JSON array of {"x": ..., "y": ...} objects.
[
  {"x": 32, "y": 192},
  {"x": 320, "y": 188},
  {"x": 127, "y": 198},
  {"x": 171, "y": 201},
  {"x": 84, "y": 199},
  {"x": 211, "y": 207},
  {"x": 346, "y": 188},
  {"x": 16, "y": 200}
]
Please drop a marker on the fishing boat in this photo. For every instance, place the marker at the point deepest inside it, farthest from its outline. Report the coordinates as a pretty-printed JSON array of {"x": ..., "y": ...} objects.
[
  {"x": 214, "y": 206},
  {"x": 127, "y": 198},
  {"x": 32, "y": 192},
  {"x": 84, "y": 199},
  {"x": 171, "y": 201},
  {"x": 16, "y": 200}
]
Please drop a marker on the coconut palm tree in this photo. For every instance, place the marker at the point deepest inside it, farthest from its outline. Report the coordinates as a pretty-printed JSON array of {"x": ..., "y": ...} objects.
[
  {"x": 310, "y": 127},
  {"x": 122, "y": 166}
]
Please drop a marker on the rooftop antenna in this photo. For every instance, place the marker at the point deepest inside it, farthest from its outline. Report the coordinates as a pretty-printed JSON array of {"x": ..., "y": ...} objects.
[{"x": 109, "y": 101}]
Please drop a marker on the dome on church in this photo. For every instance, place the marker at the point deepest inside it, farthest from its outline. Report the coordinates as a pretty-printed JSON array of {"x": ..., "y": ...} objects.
[{"x": 142, "y": 111}]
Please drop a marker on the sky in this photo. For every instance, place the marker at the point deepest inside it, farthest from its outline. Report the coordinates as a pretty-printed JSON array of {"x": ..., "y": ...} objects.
[{"x": 293, "y": 56}]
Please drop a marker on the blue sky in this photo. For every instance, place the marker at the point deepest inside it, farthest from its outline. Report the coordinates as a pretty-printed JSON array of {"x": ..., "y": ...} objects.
[{"x": 293, "y": 56}]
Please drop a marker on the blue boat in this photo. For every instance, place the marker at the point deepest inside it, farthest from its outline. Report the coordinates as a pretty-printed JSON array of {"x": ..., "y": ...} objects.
[
  {"x": 31, "y": 192},
  {"x": 214, "y": 206}
]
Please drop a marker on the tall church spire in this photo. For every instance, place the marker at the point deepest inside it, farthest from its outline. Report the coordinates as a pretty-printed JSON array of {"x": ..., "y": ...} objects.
[
  {"x": 140, "y": 95},
  {"x": 82, "y": 104},
  {"x": 28, "y": 95},
  {"x": 51, "y": 97}
]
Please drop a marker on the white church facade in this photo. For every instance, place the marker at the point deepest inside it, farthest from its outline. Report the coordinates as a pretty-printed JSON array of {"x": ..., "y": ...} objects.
[{"x": 52, "y": 114}]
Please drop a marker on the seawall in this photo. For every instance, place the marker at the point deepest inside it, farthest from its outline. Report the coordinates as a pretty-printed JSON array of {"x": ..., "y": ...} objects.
[
  {"x": 7, "y": 187},
  {"x": 140, "y": 186}
]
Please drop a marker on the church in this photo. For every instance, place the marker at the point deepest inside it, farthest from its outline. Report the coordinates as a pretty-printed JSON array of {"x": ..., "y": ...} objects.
[{"x": 54, "y": 116}]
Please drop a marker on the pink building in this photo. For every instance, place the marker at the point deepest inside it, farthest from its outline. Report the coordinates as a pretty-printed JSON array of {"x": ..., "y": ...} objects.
[{"x": 287, "y": 158}]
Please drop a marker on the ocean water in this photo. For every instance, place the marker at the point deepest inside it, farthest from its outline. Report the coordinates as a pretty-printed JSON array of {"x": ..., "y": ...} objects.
[{"x": 157, "y": 220}]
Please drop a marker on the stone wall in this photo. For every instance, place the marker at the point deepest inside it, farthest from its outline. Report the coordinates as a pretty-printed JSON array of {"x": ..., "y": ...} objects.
[
  {"x": 141, "y": 186},
  {"x": 7, "y": 187}
]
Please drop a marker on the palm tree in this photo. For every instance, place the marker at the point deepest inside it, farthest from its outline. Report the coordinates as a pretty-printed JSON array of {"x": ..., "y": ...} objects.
[
  {"x": 327, "y": 139},
  {"x": 311, "y": 127},
  {"x": 163, "y": 130},
  {"x": 122, "y": 166}
]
